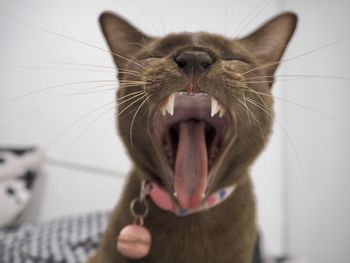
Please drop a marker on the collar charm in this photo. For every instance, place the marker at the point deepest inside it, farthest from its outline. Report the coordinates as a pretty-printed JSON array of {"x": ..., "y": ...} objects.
[{"x": 134, "y": 241}]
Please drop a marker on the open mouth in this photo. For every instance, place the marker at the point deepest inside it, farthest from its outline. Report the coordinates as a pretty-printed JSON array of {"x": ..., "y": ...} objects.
[{"x": 193, "y": 131}]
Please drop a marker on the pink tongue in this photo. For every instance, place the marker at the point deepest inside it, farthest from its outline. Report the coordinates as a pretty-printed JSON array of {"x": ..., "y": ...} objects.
[{"x": 191, "y": 166}]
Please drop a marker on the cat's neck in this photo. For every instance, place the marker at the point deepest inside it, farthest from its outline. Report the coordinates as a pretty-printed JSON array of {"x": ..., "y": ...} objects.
[
  {"x": 236, "y": 215},
  {"x": 133, "y": 188}
]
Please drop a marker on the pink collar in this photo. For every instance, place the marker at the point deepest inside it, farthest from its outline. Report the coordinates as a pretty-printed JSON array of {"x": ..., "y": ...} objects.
[{"x": 163, "y": 200}]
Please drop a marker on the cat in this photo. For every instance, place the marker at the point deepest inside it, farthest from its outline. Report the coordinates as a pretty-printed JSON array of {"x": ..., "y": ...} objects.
[{"x": 198, "y": 113}]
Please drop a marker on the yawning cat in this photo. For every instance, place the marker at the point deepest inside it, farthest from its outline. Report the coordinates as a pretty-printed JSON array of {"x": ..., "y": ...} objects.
[{"x": 195, "y": 110}]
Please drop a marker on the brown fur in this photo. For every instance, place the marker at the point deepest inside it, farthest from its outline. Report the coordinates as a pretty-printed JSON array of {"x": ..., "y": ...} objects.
[{"x": 226, "y": 233}]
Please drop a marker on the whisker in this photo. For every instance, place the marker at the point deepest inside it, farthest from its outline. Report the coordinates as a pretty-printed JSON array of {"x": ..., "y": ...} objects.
[
  {"x": 77, "y": 121},
  {"x": 37, "y": 109},
  {"x": 127, "y": 86},
  {"x": 87, "y": 91},
  {"x": 130, "y": 94},
  {"x": 260, "y": 98},
  {"x": 231, "y": 14},
  {"x": 298, "y": 76},
  {"x": 59, "y": 86},
  {"x": 294, "y": 103},
  {"x": 74, "y": 64},
  {"x": 123, "y": 110},
  {"x": 259, "y": 10},
  {"x": 140, "y": 13},
  {"x": 133, "y": 82},
  {"x": 270, "y": 81},
  {"x": 257, "y": 104},
  {"x": 130, "y": 85},
  {"x": 86, "y": 128},
  {"x": 160, "y": 16},
  {"x": 114, "y": 85},
  {"x": 256, "y": 8},
  {"x": 83, "y": 43},
  {"x": 143, "y": 47},
  {"x": 129, "y": 70},
  {"x": 31, "y": 112},
  {"x": 131, "y": 98},
  {"x": 227, "y": 10},
  {"x": 297, "y": 56},
  {"x": 248, "y": 111},
  {"x": 283, "y": 130},
  {"x": 245, "y": 103},
  {"x": 81, "y": 93},
  {"x": 103, "y": 141},
  {"x": 264, "y": 109},
  {"x": 133, "y": 119},
  {"x": 54, "y": 68},
  {"x": 255, "y": 118},
  {"x": 130, "y": 73}
]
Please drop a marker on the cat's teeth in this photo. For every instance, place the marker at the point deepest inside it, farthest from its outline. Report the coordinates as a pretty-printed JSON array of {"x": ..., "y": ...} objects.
[
  {"x": 170, "y": 104},
  {"x": 163, "y": 110},
  {"x": 214, "y": 107},
  {"x": 221, "y": 112}
]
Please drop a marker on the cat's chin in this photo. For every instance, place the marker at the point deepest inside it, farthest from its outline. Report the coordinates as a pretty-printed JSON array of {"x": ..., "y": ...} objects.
[{"x": 193, "y": 133}]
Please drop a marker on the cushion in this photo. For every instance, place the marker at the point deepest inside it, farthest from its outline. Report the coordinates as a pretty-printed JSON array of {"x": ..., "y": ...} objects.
[
  {"x": 18, "y": 171},
  {"x": 71, "y": 239}
]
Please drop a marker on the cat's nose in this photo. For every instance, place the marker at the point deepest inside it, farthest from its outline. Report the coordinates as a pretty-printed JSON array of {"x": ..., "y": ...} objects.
[{"x": 194, "y": 62}]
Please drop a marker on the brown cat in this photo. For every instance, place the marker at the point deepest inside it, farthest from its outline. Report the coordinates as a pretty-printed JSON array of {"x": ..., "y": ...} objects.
[{"x": 195, "y": 110}]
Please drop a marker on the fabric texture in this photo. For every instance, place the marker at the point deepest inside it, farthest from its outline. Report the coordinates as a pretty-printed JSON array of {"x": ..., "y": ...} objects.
[{"x": 65, "y": 240}]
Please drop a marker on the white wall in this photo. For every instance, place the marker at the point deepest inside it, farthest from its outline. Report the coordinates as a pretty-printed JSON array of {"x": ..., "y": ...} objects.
[
  {"x": 318, "y": 195},
  {"x": 290, "y": 201}
]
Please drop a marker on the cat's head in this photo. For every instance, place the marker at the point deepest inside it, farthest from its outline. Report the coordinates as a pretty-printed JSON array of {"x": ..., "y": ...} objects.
[{"x": 195, "y": 109}]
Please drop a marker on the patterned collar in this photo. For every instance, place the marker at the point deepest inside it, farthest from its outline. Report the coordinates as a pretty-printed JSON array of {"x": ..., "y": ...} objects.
[{"x": 163, "y": 200}]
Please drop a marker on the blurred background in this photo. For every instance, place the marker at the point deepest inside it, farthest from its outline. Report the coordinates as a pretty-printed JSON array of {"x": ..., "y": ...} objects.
[{"x": 55, "y": 92}]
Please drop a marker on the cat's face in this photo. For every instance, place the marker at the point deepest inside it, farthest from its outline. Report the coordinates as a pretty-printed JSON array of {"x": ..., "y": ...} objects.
[{"x": 195, "y": 109}]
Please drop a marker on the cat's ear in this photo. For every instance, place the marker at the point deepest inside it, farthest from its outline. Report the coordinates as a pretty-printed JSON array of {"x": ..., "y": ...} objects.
[
  {"x": 268, "y": 43},
  {"x": 123, "y": 39}
]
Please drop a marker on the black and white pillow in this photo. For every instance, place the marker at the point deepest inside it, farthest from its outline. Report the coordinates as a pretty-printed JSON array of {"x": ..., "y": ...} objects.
[
  {"x": 71, "y": 239},
  {"x": 18, "y": 170}
]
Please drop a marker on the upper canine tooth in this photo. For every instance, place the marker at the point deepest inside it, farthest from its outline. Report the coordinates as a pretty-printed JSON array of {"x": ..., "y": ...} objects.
[
  {"x": 214, "y": 107},
  {"x": 170, "y": 104}
]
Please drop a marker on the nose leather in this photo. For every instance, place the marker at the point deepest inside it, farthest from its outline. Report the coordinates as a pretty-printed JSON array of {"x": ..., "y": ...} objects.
[{"x": 193, "y": 62}]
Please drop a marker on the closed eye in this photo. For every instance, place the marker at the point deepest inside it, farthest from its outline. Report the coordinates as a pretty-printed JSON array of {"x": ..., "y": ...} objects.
[
  {"x": 240, "y": 59},
  {"x": 236, "y": 57},
  {"x": 151, "y": 56}
]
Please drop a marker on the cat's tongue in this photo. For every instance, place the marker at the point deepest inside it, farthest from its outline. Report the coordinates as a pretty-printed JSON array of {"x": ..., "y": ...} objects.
[{"x": 191, "y": 165}]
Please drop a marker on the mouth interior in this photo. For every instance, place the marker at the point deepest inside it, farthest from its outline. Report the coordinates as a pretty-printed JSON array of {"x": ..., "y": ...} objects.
[
  {"x": 172, "y": 137},
  {"x": 192, "y": 142}
]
